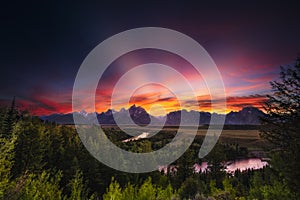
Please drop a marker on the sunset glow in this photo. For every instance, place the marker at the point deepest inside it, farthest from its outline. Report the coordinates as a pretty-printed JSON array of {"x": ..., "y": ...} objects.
[{"x": 247, "y": 60}]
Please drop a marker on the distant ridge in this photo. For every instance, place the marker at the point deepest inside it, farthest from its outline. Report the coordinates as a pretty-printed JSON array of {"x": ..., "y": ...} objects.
[{"x": 246, "y": 116}]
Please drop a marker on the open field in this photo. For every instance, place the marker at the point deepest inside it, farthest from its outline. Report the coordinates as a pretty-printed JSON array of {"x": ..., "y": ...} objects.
[
  {"x": 247, "y": 138},
  {"x": 240, "y": 135}
]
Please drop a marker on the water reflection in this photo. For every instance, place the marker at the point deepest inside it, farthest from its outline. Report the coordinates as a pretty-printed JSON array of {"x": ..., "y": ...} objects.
[
  {"x": 232, "y": 166},
  {"x": 242, "y": 165}
]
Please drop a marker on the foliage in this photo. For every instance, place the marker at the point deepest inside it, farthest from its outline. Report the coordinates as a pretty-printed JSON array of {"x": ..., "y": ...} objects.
[
  {"x": 41, "y": 186},
  {"x": 6, "y": 160},
  {"x": 8, "y": 120},
  {"x": 269, "y": 188},
  {"x": 189, "y": 188},
  {"x": 147, "y": 191},
  {"x": 78, "y": 190},
  {"x": 114, "y": 192},
  {"x": 41, "y": 159},
  {"x": 282, "y": 124}
]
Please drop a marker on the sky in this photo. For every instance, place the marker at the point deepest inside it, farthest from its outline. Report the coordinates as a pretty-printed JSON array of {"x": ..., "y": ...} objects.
[{"x": 44, "y": 44}]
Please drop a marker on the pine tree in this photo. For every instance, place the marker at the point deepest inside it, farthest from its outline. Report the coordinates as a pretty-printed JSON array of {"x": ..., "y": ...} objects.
[
  {"x": 6, "y": 163},
  {"x": 78, "y": 190},
  {"x": 281, "y": 127},
  {"x": 9, "y": 121},
  {"x": 216, "y": 165},
  {"x": 185, "y": 168},
  {"x": 41, "y": 186},
  {"x": 29, "y": 148},
  {"x": 114, "y": 191}
]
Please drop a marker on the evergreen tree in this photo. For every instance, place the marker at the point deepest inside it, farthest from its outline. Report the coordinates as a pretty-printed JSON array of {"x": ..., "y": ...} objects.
[
  {"x": 3, "y": 112},
  {"x": 189, "y": 188},
  {"x": 41, "y": 186},
  {"x": 6, "y": 164},
  {"x": 114, "y": 192},
  {"x": 78, "y": 190},
  {"x": 9, "y": 121},
  {"x": 29, "y": 148},
  {"x": 263, "y": 187},
  {"x": 216, "y": 165},
  {"x": 147, "y": 191},
  {"x": 281, "y": 127},
  {"x": 185, "y": 168}
]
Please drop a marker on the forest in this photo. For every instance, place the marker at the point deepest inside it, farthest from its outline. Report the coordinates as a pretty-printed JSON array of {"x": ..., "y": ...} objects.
[{"x": 43, "y": 160}]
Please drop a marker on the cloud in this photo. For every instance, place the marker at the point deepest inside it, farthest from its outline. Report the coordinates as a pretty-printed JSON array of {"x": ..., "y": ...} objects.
[{"x": 234, "y": 103}]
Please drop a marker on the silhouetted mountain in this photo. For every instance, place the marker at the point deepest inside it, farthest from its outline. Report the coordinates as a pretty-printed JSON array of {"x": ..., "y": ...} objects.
[
  {"x": 248, "y": 115},
  {"x": 106, "y": 117},
  {"x": 59, "y": 118},
  {"x": 174, "y": 118},
  {"x": 137, "y": 114}
]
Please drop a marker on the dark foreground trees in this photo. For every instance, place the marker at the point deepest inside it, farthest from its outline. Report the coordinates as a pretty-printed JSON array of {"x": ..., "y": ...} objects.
[
  {"x": 281, "y": 127},
  {"x": 40, "y": 160}
]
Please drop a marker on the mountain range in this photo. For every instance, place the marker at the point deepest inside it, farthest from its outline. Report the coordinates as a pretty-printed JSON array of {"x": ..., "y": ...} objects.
[{"x": 246, "y": 116}]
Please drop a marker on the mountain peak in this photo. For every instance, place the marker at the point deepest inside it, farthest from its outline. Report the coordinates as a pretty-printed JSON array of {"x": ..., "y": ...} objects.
[
  {"x": 133, "y": 106},
  {"x": 250, "y": 109},
  {"x": 247, "y": 115}
]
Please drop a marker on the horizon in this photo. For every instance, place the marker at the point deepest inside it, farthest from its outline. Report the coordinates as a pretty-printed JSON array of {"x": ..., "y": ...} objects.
[
  {"x": 157, "y": 116},
  {"x": 247, "y": 50}
]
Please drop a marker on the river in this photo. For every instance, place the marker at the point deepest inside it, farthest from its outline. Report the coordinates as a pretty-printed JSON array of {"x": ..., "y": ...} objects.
[
  {"x": 231, "y": 166},
  {"x": 242, "y": 165}
]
